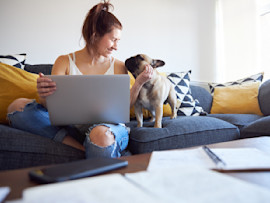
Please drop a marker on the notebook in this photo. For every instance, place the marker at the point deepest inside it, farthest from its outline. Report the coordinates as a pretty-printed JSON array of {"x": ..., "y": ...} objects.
[
  {"x": 76, "y": 169},
  {"x": 89, "y": 99},
  {"x": 234, "y": 159}
]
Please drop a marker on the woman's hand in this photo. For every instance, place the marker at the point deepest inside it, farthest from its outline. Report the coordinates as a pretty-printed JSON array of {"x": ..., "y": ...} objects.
[
  {"x": 146, "y": 75},
  {"x": 45, "y": 86}
]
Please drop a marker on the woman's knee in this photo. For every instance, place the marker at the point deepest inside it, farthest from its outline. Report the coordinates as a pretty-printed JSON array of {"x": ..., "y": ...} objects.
[
  {"x": 18, "y": 104},
  {"x": 102, "y": 136}
]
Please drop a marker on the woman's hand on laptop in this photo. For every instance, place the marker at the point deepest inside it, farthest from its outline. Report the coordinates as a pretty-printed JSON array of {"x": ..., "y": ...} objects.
[{"x": 45, "y": 86}]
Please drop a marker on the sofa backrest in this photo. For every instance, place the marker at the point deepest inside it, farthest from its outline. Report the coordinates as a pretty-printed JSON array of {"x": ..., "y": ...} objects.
[{"x": 46, "y": 69}]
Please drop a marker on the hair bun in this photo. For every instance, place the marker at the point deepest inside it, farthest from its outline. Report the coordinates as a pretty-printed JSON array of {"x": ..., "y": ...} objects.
[
  {"x": 106, "y": 6},
  {"x": 98, "y": 22}
]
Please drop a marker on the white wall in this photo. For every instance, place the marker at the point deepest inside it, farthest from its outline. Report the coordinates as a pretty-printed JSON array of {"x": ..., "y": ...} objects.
[
  {"x": 264, "y": 12},
  {"x": 181, "y": 32},
  {"x": 239, "y": 21}
]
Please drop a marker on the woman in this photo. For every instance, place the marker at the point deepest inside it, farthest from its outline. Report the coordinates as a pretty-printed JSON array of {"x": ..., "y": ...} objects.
[{"x": 101, "y": 32}]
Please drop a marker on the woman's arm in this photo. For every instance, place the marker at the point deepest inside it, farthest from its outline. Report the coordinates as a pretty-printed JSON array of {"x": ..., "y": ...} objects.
[
  {"x": 45, "y": 86},
  {"x": 145, "y": 76}
]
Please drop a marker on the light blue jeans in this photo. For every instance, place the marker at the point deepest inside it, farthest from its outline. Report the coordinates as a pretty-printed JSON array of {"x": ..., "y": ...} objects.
[{"x": 35, "y": 119}]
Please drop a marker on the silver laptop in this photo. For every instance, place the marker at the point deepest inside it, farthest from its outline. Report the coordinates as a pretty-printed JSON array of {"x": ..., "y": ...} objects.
[{"x": 89, "y": 99}]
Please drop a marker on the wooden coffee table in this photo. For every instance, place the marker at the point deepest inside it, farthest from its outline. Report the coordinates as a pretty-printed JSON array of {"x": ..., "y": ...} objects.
[{"x": 18, "y": 180}]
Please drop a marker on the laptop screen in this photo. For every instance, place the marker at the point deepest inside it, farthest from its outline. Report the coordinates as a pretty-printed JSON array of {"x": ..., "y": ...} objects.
[{"x": 89, "y": 99}]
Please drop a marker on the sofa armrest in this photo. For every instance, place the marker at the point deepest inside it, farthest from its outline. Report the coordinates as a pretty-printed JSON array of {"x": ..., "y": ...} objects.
[
  {"x": 20, "y": 149},
  {"x": 264, "y": 97}
]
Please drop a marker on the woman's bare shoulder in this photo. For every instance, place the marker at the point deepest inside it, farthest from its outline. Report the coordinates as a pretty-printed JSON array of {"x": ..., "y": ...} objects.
[
  {"x": 120, "y": 67},
  {"x": 61, "y": 65},
  {"x": 62, "y": 59}
]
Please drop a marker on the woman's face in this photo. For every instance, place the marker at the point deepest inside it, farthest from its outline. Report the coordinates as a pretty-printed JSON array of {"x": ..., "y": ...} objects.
[{"x": 108, "y": 43}]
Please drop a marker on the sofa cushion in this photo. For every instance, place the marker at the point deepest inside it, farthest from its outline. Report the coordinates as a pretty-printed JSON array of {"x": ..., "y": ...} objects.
[
  {"x": 185, "y": 131},
  {"x": 239, "y": 120},
  {"x": 19, "y": 149},
  {"x": 16, "y": 60},
  {"x": 237, "y": 99},
  {"x": 15, "y": 83},
  {"x": 257, "y": 128},
  {"x": 264, "y": 98}
]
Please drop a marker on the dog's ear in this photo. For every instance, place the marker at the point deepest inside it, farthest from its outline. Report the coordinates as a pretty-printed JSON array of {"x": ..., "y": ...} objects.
[{"x": 157, "y": 63}]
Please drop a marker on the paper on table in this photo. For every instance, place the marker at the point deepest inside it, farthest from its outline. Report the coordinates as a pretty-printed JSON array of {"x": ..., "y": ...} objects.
[
  {"x": 244, "y": 159},
  {"x": 4, "y": 192},
  {"x": 189, "y": 184},
  {"x": 106, "y": 188},
  {"x": 235, "y": 159},
  {"x": 174, "y": 158}
]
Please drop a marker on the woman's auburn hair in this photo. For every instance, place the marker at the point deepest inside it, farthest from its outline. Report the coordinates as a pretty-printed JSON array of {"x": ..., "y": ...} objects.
[{"x": 98, "y": 22}]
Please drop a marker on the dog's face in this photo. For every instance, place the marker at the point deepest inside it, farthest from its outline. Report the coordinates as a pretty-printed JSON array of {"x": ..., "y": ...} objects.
[{"x": 136, "y": 64}]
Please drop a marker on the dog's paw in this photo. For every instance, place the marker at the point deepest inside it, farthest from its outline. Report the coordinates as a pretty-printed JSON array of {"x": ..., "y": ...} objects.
[
  {"x": 158, "y": 125},
  {"x": 173, "y": 116}
]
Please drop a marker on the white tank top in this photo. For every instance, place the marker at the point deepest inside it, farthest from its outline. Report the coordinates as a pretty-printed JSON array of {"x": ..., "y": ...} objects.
[{"x": 74, "y": 70}]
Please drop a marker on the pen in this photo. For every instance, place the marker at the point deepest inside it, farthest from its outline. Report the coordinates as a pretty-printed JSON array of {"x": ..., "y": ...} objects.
[{"x": 219, "y": 163}]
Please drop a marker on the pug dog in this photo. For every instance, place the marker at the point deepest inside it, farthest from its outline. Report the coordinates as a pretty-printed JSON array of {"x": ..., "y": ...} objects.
[{"x": 154, "y": 93}]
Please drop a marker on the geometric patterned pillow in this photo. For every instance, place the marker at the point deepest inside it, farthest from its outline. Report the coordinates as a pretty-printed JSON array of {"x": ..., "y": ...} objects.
[
  {"x": 188, "y": 105},
  {"x": 253, "y": 78},
  {"x": 17, "y": 60}
]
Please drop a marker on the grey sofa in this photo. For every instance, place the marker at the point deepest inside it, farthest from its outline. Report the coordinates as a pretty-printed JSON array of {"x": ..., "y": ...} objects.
[{"x": 19, "y": 149}]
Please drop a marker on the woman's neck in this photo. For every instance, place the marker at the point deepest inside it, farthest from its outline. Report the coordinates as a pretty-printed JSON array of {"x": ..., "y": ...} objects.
[{"x": 93, "y": 57}]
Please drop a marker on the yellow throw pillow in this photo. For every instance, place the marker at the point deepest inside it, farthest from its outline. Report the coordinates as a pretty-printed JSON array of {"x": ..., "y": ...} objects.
[
  {"x": 15, "y": 83},
  {"x": 237, "y": 99},
  {"x": 132, "y": 79}
]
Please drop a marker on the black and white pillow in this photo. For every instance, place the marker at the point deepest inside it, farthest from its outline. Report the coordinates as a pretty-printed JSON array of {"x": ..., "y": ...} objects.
[
  {"x": 253, "y": 78},
  {"x": 17, "y": 60},
  {"x": 188, "y": 105}
]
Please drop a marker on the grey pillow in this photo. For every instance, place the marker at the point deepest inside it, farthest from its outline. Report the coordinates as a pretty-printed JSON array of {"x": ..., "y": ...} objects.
[{"x": 264, "y": 98}]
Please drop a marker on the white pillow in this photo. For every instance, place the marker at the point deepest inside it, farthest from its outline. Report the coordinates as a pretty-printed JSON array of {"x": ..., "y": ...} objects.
[
  {"x": 17, "y": 60},
  {"x": 188, "y": 105}
]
